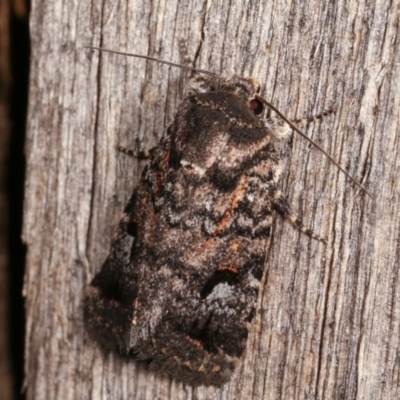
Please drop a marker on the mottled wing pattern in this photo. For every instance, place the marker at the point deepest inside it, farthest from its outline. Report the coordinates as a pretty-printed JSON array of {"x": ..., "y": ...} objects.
[{"x": 180, "y": 286}]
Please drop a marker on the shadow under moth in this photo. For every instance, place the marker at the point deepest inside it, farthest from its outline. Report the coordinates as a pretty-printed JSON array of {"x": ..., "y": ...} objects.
[{"x": 179, "y": 287}]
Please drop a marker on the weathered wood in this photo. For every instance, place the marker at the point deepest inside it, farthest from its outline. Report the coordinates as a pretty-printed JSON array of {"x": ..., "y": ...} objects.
[{"x": 329, "y": 318}]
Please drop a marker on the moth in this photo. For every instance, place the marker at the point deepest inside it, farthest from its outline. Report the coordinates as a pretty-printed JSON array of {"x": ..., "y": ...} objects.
[{"x": 180, "y": 285}]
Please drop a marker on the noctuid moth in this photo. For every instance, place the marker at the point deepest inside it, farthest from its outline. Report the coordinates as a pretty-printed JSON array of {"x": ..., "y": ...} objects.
[{"x": 180, "y": 285}]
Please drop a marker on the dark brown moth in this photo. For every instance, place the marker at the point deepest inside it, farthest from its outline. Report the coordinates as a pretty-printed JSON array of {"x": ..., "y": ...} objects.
[{"x": 180, "y": 285}]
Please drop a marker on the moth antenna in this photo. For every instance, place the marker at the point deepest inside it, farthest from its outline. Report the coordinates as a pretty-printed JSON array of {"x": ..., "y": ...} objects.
[
  {"x": 181, "y": 66},
  {"x": 294, "y": 127},
  {"x": 202, "y": 71}
]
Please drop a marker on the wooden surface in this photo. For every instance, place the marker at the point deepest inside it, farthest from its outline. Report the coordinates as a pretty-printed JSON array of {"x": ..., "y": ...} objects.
[{"x": 329, "y": 320}]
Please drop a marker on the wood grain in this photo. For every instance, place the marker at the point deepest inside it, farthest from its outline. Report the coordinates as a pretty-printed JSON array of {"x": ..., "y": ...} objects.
[{"x": 329, "y": 320}]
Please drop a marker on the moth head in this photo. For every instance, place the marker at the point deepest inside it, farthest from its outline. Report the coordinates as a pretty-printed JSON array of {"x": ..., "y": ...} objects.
[
  {"x": 245, "y": 88},
  {"x": 218, "y": 133}
]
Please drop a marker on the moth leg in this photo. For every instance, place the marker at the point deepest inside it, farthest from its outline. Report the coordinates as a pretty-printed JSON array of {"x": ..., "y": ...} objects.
[
  {"x": 280, "y": 130},
  {"x": 314, "y": 118},
  {"x": 140, "y": 154},
  {"x": 184, "y": 54},
  {"x": 281, "y": 205},
  {"x": 198, "y": 83}
]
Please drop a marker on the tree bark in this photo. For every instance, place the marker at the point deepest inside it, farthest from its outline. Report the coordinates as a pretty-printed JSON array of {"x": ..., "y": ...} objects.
[{"x": 329, "y": 316}]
